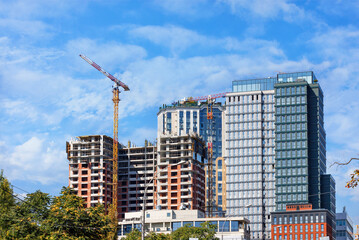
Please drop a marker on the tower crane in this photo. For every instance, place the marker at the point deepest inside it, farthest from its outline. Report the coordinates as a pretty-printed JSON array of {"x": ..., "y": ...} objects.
[
  {"x": 210, "y": 101},
  {"x": 117, "y": 83}
]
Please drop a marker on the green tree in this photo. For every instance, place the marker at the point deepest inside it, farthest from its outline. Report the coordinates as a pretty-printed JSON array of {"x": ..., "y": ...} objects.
[
  {"x": 30, "y": 215},
  {"x": 158, "y": 236},
  {"x": 135, "y": 234},
  {"x": 206, "y": 231},
  {"x": 7, "y": 207},
  {"x": 70, "y": 219}
]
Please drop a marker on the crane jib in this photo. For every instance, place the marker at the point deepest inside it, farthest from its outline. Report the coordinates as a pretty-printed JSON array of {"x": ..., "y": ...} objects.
[{"x": 115, "y": 80}]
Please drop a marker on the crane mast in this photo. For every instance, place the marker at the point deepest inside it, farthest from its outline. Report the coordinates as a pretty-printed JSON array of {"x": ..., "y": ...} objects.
[
  {"x": 113, "y": 210},
  {"x": 210, "y": 200},
  {"x": 210, "y": 101}
]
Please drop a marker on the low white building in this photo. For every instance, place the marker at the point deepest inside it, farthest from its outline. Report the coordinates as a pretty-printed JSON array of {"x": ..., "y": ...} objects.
[{"x": 166, "y": 221}]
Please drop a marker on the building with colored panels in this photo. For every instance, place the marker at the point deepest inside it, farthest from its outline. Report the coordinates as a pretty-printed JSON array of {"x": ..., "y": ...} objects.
[
  {"x": 302, "y": 222},
  {"x": 90, "y": 168},
  {"x": 180, "y": 177}
]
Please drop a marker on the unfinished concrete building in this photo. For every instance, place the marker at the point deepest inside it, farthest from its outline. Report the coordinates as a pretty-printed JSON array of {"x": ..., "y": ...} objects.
[
  {"x": 90, "y": 168},
  {"x": 180, "y": 177},
  {"x": 136, "y": 172}
]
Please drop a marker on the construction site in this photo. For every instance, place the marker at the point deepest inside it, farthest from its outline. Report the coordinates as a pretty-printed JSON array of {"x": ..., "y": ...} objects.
[
  {"x": 183, "y": 170},
  {"x": 202, "y": 147}
]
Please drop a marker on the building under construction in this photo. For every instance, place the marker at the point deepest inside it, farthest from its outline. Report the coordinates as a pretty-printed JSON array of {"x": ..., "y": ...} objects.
[
  {"x": 190, "y": 116},
  {"x": 180, "y": 176},
  {"x": 135, "y": 175},
  {"x": 90, "y": 172},
  {"x": 90, "y": 168}
]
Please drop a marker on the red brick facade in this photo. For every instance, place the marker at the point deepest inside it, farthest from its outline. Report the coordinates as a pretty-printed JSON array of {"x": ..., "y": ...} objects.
[{"x": 301, "y": 222}]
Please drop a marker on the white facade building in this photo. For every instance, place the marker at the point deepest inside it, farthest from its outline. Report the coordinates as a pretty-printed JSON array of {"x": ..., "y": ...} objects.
[
  {"x": 249, "y": 156},
  {"x": 166, "y": 221}
]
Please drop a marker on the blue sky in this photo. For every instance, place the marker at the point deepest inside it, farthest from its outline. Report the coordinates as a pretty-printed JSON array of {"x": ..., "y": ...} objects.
[{"x": 164, "y": 51}]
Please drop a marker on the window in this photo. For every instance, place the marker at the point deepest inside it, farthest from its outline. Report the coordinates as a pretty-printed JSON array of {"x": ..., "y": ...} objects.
[
  {"x": 189, "y": 223},
  {"x": 219, "y": 200},
  {"x": 223, "y": 226},
  {"x": 198, "y": 223},
  {"x": 176, "y": 225},
  {"x": 234, "y": 226}
]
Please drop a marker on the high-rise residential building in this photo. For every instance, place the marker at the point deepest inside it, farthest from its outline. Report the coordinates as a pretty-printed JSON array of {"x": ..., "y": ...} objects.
[
  {"x": 187, "y": 117},
  {"x": 301, "y": 146},
  {"x": 302, "y": 222},
  {"x": 90, "y": 168},
  {"x": 180, "y": 176},
  {"x": 275, "y": 148},
  {"x": 136, "y": 168},
  {"x": 300, "y": 140},
  {"x": 344, "y": 226},
  {"x": 249, "y": 155}
]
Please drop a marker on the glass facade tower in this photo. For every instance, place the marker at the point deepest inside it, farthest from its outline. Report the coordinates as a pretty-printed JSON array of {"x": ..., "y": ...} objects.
[
  {"x": 300, "y": 142},
  {"x": 275, "y": 148}
]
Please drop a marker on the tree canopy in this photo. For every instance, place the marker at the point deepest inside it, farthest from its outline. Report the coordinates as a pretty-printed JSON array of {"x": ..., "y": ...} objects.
[
  {"x": 38, "y": 216},
  {"x": 206, "y": 231}
]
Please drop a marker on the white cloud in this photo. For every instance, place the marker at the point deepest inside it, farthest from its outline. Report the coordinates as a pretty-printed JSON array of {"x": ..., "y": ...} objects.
[
  {"x": 339, "y": 47},
  {"x": 266, "y": 9},
  {"x": 193, "y": 8},
  {"x": 179, "y": 39},
  {"x": 18, "y": 9},
  {"x": 176, "y": 38},
  {"x": 36, "y": 159},
  {"x": 109, "y": 55},
  {"x": 34, "y": 28},
  {"x": 20, "y": 109}
]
